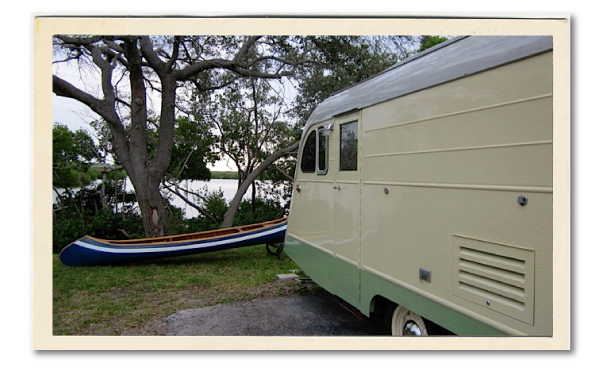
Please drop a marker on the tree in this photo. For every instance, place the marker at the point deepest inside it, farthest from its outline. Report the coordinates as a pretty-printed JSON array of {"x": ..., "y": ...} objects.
[
  {"x": 430, "y": 41},
  {"x": 72, "y": 155},
  {"x": 192, "y": 151},
  {"x": 343, "y": 62},
  {"x": 130, "y": 66},
  {"x": 249, "y": 119},
  {"x": 233, "y": 205},
  {"x": 102, "y": 135}
]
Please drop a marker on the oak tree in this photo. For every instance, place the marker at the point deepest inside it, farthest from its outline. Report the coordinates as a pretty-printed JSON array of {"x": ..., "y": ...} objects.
[{"x": 131, "y": 67}]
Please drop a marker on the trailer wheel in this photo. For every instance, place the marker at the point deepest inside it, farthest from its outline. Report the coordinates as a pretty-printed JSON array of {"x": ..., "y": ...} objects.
[
  {"x": 400, "y": 321},
  {"x": 274, "y": 249}
]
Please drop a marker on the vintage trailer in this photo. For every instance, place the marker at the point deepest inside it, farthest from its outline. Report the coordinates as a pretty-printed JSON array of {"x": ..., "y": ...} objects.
[{"x": 424, "y": 194}]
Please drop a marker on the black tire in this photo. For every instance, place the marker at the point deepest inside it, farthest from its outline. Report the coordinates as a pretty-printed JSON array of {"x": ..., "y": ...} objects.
[{"x": 275, "y": 249}]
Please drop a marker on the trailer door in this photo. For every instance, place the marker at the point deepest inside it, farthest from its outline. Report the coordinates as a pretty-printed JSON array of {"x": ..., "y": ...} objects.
[{"x": 347, "y": 205}]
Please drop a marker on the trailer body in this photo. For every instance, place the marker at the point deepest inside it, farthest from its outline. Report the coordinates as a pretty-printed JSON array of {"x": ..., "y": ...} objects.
[{"x": 430, "y": 186}]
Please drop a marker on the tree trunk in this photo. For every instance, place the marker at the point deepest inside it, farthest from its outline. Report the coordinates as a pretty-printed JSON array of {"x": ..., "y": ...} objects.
[
  {"x": 104, "y": 200},
  {"x": 235, "y": 202},
  {"x": 154, "y": 215},
  {"x": 253, "y": 200}
]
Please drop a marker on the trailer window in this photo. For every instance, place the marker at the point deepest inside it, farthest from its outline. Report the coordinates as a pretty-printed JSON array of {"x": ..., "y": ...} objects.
[
  {"x": 348, "y": 146},
  {"x": 323, "y": 142},
  {"x": 309, "y": 154}
]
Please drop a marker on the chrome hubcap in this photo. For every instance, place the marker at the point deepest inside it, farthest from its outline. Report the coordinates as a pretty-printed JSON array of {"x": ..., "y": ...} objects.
[
  {"x": 407, "y": 323},
  {"x": 412, "y": 329}
]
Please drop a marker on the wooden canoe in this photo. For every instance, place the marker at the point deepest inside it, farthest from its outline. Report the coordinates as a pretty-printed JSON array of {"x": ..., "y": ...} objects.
[{"x": 90, "y": 251}]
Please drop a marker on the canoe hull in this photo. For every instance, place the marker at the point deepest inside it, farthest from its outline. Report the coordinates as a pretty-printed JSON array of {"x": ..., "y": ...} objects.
[{"x": 93, "y": 252}]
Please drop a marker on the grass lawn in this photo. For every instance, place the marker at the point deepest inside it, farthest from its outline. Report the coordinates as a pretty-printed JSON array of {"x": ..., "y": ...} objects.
[{"x": 132, "y": 299}]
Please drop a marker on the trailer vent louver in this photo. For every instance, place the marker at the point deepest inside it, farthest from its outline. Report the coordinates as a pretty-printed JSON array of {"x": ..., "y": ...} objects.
[{"x": 495, "y": 276}]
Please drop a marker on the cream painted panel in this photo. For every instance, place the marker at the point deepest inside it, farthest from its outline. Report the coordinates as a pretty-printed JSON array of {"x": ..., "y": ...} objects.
[
  {"x": 524, "y": 122},
  {"x": 525, "y": 166},
  {"x": 312, "y": 214},
  {"x": 521, "y": 80},
  {"x": 347, "y": 222},
  {"x": 413, "y": 227},
  {"x": 347, "y": 213},
  {"x": 347, "y": 238}
]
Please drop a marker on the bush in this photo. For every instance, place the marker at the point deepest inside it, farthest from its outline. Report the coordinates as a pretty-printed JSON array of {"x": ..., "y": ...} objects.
[
  {"x": 216, "y": 206},
  {"x": 81, "y": 214},
  {"x": 66, "y": 231},
  {"x": 70, "y": 226},
  {"x": 264, "y": 210}
]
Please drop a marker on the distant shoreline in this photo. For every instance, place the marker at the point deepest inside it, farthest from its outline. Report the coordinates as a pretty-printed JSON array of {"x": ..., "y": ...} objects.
[{"x": 229, "y": 175}]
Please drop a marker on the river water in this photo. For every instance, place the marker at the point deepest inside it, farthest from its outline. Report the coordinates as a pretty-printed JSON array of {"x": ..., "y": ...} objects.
[{"x": 229, "y": 188}]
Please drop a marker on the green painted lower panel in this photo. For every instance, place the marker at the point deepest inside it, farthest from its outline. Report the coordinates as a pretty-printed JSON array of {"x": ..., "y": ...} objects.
[
  {"x": 320, "y": 266},
  {"x": 372, "y": 285}
]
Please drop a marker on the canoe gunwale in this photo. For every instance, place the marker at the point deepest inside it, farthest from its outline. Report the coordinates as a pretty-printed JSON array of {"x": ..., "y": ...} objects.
[{"x": 185, "y": 238}]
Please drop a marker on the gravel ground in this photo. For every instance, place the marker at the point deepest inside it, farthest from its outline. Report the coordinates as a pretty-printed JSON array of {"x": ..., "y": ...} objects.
[{"x": 318, "y": 314}]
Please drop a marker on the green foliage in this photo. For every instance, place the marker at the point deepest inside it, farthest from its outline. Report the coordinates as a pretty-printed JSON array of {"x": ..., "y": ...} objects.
[
  {"x": 228, "y": 175},
  {"x": 200, "y": 223},
  {"x": 343, "y": 62},
  {"x": 96, "y": 174},
  {"x": 430, "y": 41},
  {"x": 66, "y": 230},
  {"x": 178, "y": 224},
  {"x": 68, "y": 146},
  {"x": 72, "y": 154},
  {"x": 248, "y": 116},
  {"x": 70, "y": 226},
  {"x": 79, "y": 213},
  {"x": 70, "y": 178},
  {"x": 191, "y": 150},
  {"x": 106, "y": 225},
  {"x": 215, "y": 205},
  {"x": 264, "y": 210}
]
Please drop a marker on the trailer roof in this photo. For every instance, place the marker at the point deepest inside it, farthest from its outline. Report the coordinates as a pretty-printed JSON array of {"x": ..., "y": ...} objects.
[{"x": 453, "y": 59}]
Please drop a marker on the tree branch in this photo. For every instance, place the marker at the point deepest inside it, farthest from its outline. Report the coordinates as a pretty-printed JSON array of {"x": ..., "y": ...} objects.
[
  {"x": 283, "y": 173},
  {"x": 243, "y": 52},
  {"x": 63, "y": 88},
  {"x": 175, "y": 54},
  {"x": 150, "y": 55},
  {"x": 235, "y": 202},
  {"x": 186, "y": 200}
]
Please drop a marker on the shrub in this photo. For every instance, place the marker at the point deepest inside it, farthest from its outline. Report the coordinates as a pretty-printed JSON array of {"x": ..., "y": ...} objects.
[
  {"x": 264, "y": 210},
  {"x": 70, "y": 226}
]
